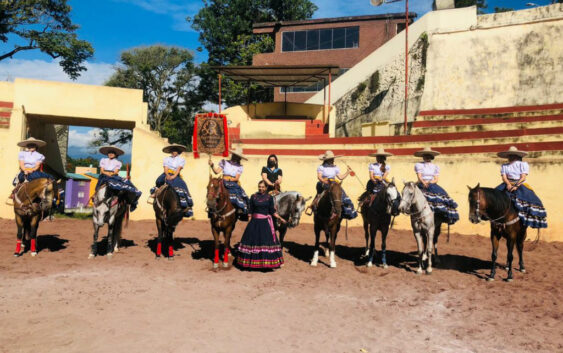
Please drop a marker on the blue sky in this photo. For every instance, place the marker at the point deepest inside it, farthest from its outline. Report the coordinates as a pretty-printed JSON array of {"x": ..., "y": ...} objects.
[{"x": 116, "y": 25}]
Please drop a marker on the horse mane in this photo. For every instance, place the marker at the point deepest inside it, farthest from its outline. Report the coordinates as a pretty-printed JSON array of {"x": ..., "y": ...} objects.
[{"x": 497, "y": 201}]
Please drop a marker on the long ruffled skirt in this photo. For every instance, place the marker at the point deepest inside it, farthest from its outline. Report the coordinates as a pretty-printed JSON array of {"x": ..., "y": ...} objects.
[
  {"x": 259, "y": 248},
  {"x": 440, "y": 202},
  {"x": 530, "y": 208}
]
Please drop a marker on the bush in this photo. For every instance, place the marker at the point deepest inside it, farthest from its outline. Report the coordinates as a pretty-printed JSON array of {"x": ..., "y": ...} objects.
[{"x": 374, "y": 82}]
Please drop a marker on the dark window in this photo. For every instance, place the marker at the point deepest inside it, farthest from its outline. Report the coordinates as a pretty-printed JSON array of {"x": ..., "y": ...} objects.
[
  {"x": 400, "y": 27},
  {"x": 287, "y": 43},
  {"x": 300, "y": 41},
  {"x": 352, "y": 37},
  {"x": 338, "y": 38},
  {"x": 315, "y": 87},
  {"x": 313, "y": 40},
  {"x": 325, "y": 39}
]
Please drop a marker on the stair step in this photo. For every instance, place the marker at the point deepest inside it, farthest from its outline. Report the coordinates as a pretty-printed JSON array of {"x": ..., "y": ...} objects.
[
  {"x": 441, "y": 117},
  {"x": 526, "y": 124}
]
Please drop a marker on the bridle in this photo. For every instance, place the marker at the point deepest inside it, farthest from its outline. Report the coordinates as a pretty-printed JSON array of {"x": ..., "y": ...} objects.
[
  {"x": 215, "y": 194},
  {"x": 418, "y": 215},
  {"x": 494, "y": 221}
]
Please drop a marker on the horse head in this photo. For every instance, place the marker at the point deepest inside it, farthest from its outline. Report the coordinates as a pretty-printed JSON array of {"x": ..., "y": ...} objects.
[
  {"x": 335, "y": 194},
  {"x": 393, "y": 198},
  {"x": 215, "y": 189},
  {"x": 476, "y": 203},
  {"x": 299, "y": 205},
  {"x": 407, "y": 197}
]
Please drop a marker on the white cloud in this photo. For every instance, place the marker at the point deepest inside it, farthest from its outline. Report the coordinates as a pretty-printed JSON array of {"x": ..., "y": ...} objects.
[
  {"x": 339, "y": 8},
  {"x": 178, "y": 10},
  {"x": 95, "y": 74},
  {"x": 79, "y": 141}
]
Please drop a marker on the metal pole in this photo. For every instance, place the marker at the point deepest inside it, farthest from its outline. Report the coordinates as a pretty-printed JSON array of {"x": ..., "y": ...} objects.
[
  {"x": 406, "y": 62},
  {"x": 220, "y": 94},
  {"x": 329, "y": 87},
  {"x": 324, "y": 100}
]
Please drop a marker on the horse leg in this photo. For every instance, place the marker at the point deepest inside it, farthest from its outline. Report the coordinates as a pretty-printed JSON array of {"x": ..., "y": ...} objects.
[
  {"x": 109, "y": 252},
  {"x": 494, "y": 242},
  {"x": 520, "y": 248},
  {"x": 437, "y": 230},
  {"x": 159, "y": 227},
  {"x": 170, "y": 241},
  {"x": 34, "y": 224},
  {"x": 19, "y": 250},
  {"x": 420, "y": 245},
  {"x": 429, "y": 250},
  {"x": 371, "y": 250},
  {"x": 366, "y": 234},
  {"x": 510, "y": 240},
  {"x": 94, "y": 248},
  {"x": 384, "y": 232},
  {"x": 216, "y": 247},
  {"x": 282, "y": 231},
  {"x": 228, "y": 233},
  {"x": 332, "y": 246},
  {"x": 315, "y": 259}
]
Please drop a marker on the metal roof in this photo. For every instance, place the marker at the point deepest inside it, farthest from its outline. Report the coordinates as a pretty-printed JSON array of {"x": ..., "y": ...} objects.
[
  {"x": 75, "y": 176},
  {"x": 279, "y": 75}
]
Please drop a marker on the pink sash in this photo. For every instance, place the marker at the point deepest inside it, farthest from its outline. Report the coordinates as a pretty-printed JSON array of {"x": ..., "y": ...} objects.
[{"x": 270, "y": 221}]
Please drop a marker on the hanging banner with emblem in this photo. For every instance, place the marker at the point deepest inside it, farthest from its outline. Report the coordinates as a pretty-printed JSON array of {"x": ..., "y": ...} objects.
[{"x": 211, "y": 134}]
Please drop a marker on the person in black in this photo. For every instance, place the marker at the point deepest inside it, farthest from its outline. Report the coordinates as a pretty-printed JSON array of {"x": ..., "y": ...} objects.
[
  {"x": 272, "y": 174},
  {"x": 259, "y": 246}
]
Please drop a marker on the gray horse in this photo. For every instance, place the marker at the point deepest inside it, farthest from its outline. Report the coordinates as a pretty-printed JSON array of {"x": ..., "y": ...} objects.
[
  {"x": 110, "y": 209},
  {"x": 414, "y": 204},
  {"x": 290, "y": 205}
]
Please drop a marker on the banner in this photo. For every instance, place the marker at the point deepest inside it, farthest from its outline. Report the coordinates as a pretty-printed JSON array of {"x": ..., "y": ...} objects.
[{"x": 211, "y": 134}]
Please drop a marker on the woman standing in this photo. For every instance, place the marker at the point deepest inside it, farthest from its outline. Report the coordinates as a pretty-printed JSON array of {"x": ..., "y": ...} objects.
[
  {"x": 259, "y": 247},
  {"x": 232, "y": 170},
  {"x": 514, "y": 173},
  {"x": 438, "y": 199},
  {"x": 272, "y": 174},
  {"x": 173, "y": 166}
]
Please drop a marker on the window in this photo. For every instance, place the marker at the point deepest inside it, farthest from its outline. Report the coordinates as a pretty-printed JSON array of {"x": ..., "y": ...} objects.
[
  {"x": 312, "y": 88},
  {"x": 400, "y": 27},
  {"x": 81, "y": 194},
  {"x": 321, "y": 39}
]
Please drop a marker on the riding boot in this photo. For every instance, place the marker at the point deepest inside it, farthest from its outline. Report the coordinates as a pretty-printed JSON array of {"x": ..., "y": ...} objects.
[
  {"x": 313, "y": 206},
  {"x": 188, "y": 212}
]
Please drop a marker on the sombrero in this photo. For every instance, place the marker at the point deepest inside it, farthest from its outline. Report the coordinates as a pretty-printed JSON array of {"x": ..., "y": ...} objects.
[
  {"x": 328, "y": 155},
  {"x": 32, "y": 141},
  {"x": 380, "y": 152},
  {"x": 512, "y": 151},
  {"x": 238, "y": 151},
  {"x": 107, "y": 149},
  {"x": 425, "y": 151},
  {"x": 170, "y": 148}
]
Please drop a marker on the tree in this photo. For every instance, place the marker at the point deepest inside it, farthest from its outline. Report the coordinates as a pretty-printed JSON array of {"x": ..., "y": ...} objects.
[
  {"x": 503, "y": 9},
  {"x": 43, "y": 25},
  {"x": 481, "y": 4},
  {"x": 166, "y": 75},
  {"x": 225, "y": 31},
  {"x": 107, "y": 136},
  {"x": 72, "y": 163}
]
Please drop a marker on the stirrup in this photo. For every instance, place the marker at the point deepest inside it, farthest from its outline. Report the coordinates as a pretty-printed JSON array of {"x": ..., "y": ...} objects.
[
  {"x": 150, "y": 199},
  {"x": 309, "y": 211}
]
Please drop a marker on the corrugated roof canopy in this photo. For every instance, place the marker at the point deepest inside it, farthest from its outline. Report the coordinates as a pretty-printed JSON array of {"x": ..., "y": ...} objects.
[{"x": 279, "y": 76}]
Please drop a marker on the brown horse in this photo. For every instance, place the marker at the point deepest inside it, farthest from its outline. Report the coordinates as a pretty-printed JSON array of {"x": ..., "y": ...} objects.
[
  {"x": 32, "y": 203},
  {"x": 327, "y": 218},
  {"x": 223, "y": 217},
  {"x": 168, "y": 214},
  {"x": 496, "y": 207}
]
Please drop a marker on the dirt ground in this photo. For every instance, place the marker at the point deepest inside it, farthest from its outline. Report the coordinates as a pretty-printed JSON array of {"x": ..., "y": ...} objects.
[{"x": 60, "y": 301}]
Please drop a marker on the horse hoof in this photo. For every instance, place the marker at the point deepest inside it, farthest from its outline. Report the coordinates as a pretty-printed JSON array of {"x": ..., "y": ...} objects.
[
  {"x": 369, "y": 264},
  {"x": 33, "y": 253},
  {"x": 384, "y": 266},
  {"x": 225, "y": 264},
  {"x": 109, "y": 256},
  {"x": 428, "y": 272},
  {"x": 419, "y": 271},
  {"x": 17, "y": 254},
  {"x": 314, "y": 264},
  {"x": 333, "y": 265},
  {"x": 215, "y": 265},
  {"x": 508, "y": 280},
  {"x": 490, "y": 279},
  {"x": 157, "y": 257},
  {"x": 171, "y": 258},
  {"x": 91, "y": 256},
  {"x": 506, "y": 268},
  {"x": 523, "y": 270}
]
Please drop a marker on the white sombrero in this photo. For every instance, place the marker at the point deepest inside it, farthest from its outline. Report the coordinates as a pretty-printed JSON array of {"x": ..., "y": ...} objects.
[
  {"x": 107, "y": 149},
  {"x": 380, "y": 152},
  {"x": 32, "y": 141},
  {"x": 425, "y": 151},
  {"x": 238, "y": 151},
  {"x": 328, "y": 155},
  {"x": 172, "y": 147},
  {"x": 512, "y": 151}
]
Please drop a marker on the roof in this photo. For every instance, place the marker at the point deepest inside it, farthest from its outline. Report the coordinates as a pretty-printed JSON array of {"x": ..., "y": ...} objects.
[
  {"x": 279, "y": 75},
  {"x": 93, "y": 175},
  {"x": 75, "y": 176},
  {"x": 259, "y": 27}
]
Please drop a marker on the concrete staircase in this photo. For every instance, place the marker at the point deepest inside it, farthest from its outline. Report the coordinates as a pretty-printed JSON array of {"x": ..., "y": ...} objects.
[{"x": 5, "y": 113}]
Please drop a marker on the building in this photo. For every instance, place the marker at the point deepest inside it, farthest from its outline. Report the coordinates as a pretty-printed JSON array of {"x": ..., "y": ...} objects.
[
  {"x": 77, "y": 193},
  {"x": 341, "y": 41}
]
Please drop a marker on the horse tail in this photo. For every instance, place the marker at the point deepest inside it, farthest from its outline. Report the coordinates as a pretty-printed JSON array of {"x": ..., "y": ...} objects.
[
  {"x": 127, "y": 210},
  {"x": 448, "y": 232}
]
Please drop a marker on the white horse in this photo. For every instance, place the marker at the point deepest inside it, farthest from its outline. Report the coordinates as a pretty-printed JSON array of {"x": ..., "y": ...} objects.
[
  {"x": 108, "y": 208},
  {"x": 414, "y": 204}
]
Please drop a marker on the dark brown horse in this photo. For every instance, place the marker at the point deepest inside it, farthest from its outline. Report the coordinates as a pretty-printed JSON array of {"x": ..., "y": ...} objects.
[
  {"x": 496, "y": 207},
  {"x": 32, "y": 203},
  {"x": 223, "y": 217},
  {"x": 327, "y": 218},
  {"x": 168, "y": 214}
]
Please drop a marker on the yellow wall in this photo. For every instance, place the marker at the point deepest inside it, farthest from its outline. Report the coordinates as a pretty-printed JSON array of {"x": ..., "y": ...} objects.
[{"x": 272, "y": 129}]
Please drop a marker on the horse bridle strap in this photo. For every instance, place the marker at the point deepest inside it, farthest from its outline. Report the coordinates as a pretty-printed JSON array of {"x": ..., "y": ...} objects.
[{"x": 494, "y": 221}]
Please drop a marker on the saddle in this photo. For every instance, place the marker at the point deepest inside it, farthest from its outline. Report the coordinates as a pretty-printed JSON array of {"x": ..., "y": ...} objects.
[{"x": 153, "y": 196}]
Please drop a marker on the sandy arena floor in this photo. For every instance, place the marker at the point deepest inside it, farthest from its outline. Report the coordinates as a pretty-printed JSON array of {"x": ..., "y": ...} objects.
[{"x": 60, "y": 301}]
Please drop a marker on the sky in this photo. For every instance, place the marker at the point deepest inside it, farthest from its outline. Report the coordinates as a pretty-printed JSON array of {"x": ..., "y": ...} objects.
[{"x": 112, "y": 26}]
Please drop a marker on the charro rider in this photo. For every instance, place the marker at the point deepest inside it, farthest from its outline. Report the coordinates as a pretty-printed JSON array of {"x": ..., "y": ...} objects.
[
  {"x": 232, "y": 170},
  {"x": 109, "y": 175},
  {"x": 272, "y": 174},
  {"x": 173, "y": 166},
  {"x": 328, "y": 172},
  {"x": 378, "y": 173},
  {"x": 438, "y": 199},
  {"x": 30, "y": 162},
  {"x": 514, "y": 173}
]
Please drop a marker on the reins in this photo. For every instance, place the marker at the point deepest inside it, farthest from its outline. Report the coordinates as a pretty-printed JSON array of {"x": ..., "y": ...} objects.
[
  {"x": 494, "y": 222},
  {"x": 217, "y": 212}
]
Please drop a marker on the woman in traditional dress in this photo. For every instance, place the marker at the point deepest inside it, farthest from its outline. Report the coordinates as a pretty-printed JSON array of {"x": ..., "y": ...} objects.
[
  {"x": 328, "y": 173},
  {"x": 272, "y": 174},
  {"x": 173, "y": 166},
  {"x": 378, "y": 173},
  {"x": 109, "y": 175},
  {"x": 438, "y": 199},
  {"x": 514, "y": 173},
  {"x": 232, "y": 170},
  {"x": 259, "y": 246},
  {"x": 30, "y": 162}
]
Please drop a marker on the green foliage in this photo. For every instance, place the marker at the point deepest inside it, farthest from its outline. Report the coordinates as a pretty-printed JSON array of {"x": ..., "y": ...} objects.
[
  {"x": 374, "y": 82},
  {"x": 423, "y": 43},
  {"x": 503, "y": 9},
  {"x": 420, "y": 83},
  {"x": 72, "y": 163},
  {"x": 107, "y": 136},
  {"x": 481, "y": 4},
  {"x": 225, "y": 31},
  {"x": 43, "y": 25}
]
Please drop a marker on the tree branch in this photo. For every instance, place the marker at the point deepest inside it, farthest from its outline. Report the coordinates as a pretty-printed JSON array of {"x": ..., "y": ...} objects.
[{"x": 10, "y": 54}]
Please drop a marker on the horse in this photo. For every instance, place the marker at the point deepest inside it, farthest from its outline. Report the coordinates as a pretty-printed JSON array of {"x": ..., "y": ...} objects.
[
  {"x": 222, "y": 217},
  {"x": 168, "y": 214},
  {"x": 33, "y": 202},
  {"x": 290, "y": 205},
  {"x": 328, "y": 218},
  {"x": 377, "y": 216},
  {"x": 414, "y": 204},
  {"x": 110, "y": 208},
  {"x": 496, "y": 207}
]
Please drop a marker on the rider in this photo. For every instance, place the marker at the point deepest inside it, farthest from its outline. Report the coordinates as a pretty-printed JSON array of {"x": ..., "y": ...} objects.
[
  {"x": 438, "y": 199},
  {"x": 328, "y": 172},
  {"x": 378, "y": 173},
  {"x": 173, "y": 165},
  {"x": 30, "y": 162},
  {"x": 232, "y": 170},
  {"x": 109, "y": 175},
  {"x": 272, "y": 175},
  {"x": 530, "y": 208}
]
